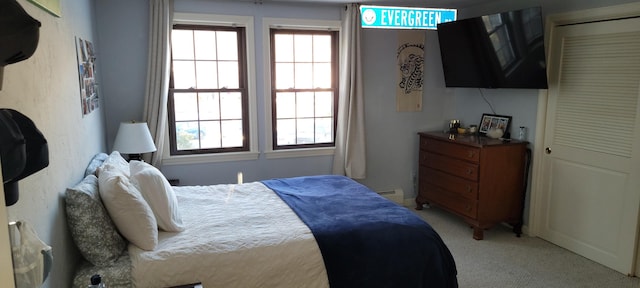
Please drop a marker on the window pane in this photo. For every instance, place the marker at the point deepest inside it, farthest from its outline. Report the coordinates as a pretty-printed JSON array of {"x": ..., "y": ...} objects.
[
  {"x": 303, "y": 48},
  {"x": 324, "y": 104},
  {"x": 305, "y": 131},
  {"x": 285, "y": 105},
  {"x": 182, "y": 44},
  {"x": 208, "y": 117},
  {"x": 304, "y": 73},
  {"x": 229, "y": 74},
  {"x": 205, "y": 43},
  {"x": 207, "y": 74},
  {"x": 322, "y": 75},
  {"x": 231, "y": 105},
  {"x": 232, "y": 133},
  {"x": 322, "y": 48},
  {"x": 284, "y": 47},
  {"x": 308, "y": 117},
  {"x": 286, "y": 132},
  {"x": 324, "y": 130},
  {"x": 184, "y": 75},
  {"x": 185, "y": 106},
  {"x": 304, "y": 104},
  {"x": 209, "y": 106},
  {"x": 227, "y": 45},
  {"x": 284, "y": 75},
  {"x": 210, "y": 134},
  {"x": 187, "y": 135}
]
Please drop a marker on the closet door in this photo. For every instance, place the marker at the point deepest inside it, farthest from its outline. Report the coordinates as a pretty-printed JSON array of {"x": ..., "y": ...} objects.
[{"x": 591, "y": 192}]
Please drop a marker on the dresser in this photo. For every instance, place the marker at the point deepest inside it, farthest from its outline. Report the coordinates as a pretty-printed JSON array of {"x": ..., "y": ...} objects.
[{"x": 475, "y": 177}]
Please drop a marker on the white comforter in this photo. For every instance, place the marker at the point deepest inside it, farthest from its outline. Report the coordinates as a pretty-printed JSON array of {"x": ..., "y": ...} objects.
[{"x": 235, "y": 236}]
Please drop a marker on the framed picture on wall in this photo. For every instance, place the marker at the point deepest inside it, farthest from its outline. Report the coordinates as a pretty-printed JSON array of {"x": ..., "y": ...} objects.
[
  {"x": 86, "y": 70},
  {"x": 489, "y": 121}
]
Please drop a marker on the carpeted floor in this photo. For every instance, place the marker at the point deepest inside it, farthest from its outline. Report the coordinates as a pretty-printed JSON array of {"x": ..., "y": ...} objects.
[{"x": 503, "y": 260}]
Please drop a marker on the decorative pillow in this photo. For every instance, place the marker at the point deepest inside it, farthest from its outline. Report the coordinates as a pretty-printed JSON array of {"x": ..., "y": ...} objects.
[
  {"x": 158, "y": 193},
  {"x": 96, "y": 162},
  {"x": 117, "y": 275},
  {"x": 115, "y": 160},
  {"x": 91, "y": 228},
  {"x": 127, "y": 208}
]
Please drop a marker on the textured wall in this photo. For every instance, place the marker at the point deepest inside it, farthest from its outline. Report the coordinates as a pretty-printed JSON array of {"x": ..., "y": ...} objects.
[{"x": 45, "y": 88}]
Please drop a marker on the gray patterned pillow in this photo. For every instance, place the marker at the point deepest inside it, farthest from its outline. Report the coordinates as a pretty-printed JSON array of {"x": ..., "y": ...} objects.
[
  {"x": 91, "y": 228},
  {"x": 117, "y": 275}
]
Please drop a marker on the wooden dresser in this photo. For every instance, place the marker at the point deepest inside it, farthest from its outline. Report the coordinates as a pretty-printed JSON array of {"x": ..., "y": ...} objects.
[{"x": 476, "y": 177}]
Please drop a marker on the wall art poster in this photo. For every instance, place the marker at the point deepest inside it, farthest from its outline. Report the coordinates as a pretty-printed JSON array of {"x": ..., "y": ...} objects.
[
  {"x": 51, "y": 6},
  {"x": 87, "y": 74},
  {"x": 410, "y": 63}
]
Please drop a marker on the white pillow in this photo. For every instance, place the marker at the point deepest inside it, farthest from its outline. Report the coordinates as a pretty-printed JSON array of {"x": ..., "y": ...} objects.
[
  {"x": 127, "y": 208},
  {"x": 117, "y": 161},
  {"x": 159, "y": 195}
]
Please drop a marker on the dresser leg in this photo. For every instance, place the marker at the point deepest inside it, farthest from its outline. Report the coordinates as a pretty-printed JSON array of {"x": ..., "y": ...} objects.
[
  {"x": 517, "y": 228},
  {"x": 478, "y": 233},
  {"x": 419, "y": 203}
]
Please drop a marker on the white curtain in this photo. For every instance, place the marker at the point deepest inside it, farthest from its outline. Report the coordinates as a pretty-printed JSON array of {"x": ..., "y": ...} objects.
[
  {"x": 155, "y": 109},
  {"x": 350, "y": 155}
]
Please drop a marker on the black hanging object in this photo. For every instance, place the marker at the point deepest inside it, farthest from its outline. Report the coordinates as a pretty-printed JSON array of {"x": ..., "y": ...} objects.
[
  {"x": 23, "y": 151},
  {"x": 19, "y": 33}
]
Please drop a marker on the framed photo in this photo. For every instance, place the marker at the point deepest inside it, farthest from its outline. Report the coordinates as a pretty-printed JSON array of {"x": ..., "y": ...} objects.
[
  {"x": 51, "y": 6},
  {"x": 489, "y": 121}
]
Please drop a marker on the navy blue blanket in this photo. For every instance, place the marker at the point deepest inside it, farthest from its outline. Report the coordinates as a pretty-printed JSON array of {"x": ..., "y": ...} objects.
[{"x": 366, "y": 240}]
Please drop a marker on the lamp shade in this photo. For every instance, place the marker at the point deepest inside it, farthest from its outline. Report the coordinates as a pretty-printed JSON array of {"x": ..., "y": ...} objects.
[{"x": 134, "y": 138}]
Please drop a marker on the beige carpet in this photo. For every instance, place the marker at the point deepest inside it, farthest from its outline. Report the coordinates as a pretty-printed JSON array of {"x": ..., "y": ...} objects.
[{"x": 503, "y": 260}]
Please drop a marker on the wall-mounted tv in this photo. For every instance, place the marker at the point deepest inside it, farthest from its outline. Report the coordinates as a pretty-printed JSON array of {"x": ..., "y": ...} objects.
[{"x": 504, "y": 50}]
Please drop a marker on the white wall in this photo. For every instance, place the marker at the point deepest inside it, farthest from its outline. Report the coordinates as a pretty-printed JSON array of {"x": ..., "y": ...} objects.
[
  {"x": 521, "y": 104},
  {"x": 45, "y": 88},
  {"x": 387, "y": 130},
  {"x": 392, "y": 139},
  {"x": 392, "y": 142},
  {"x": 122, "y": 28}
]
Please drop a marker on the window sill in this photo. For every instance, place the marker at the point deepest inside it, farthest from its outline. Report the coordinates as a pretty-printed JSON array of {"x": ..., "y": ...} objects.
[
  {"x": 209, "y": 158},
  {"x": 294, "y": 153}
]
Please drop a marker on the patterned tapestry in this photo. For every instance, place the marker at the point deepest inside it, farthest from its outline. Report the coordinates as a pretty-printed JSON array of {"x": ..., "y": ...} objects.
[{"x": 410, "y": 62}]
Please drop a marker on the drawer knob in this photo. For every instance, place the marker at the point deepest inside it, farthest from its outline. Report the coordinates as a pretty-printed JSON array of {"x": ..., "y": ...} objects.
[
  {"x": 468, "y": 207},
  {"x": 469, "y": 171},
  {"x": 470, "y": 153},
  {"x": 468, "y": 188}
]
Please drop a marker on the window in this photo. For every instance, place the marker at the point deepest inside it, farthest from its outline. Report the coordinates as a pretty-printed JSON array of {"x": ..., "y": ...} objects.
[
  {"x": 304, "y": 81},
  {"x": 208, "y": 93}
]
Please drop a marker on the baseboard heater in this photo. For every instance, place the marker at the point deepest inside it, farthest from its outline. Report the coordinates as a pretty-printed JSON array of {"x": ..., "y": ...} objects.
[{"x": 395, "y": 195}]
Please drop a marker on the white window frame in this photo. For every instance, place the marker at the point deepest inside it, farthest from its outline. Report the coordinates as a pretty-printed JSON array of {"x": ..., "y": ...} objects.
[
  {"x": 297, "y": 24},
  {"x": 253, "y": 153}
]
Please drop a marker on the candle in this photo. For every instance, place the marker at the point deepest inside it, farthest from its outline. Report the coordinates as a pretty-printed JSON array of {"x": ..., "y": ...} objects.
[{"x": 239, "y": 177}]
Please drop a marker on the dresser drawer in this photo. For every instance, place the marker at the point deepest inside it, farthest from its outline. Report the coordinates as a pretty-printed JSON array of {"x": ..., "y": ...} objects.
[
  {"x": 451, "y": 149},
  {"x": 462, "y": 187},
  {"x": 449, "y": 165},
  {"x": 451, "y": 201}
]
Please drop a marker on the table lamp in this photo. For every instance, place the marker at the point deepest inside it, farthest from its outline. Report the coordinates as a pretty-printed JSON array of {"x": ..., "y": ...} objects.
[{"x": 134, "y": 138}]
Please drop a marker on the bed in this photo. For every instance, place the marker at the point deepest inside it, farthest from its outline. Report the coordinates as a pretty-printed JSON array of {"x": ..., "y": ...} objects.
[{"x": 316, "y": 231}]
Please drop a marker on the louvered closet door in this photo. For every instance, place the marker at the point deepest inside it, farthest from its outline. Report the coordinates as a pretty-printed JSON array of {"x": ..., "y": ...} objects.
[{"x": 591, "y": 190}]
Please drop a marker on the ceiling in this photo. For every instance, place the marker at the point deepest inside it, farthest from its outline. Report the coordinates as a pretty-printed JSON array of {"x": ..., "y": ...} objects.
[{"x": 458, "y": 4}]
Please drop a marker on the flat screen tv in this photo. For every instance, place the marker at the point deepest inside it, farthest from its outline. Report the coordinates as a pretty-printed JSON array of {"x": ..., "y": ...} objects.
[{"x": 504, "y": 50}]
